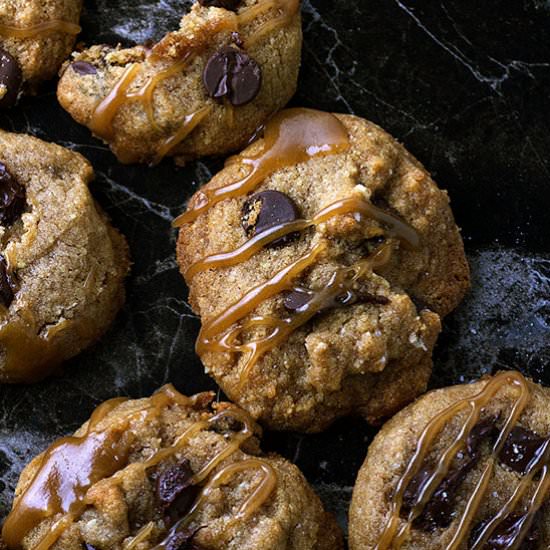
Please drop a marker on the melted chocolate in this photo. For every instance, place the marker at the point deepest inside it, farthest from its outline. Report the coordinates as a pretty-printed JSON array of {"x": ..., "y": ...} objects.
[
  {"x": 12, "y": 197},
  {"x": 522, "y": 449},
  {"x": 505, "y": 535},
  {"x": 175, "y": 491},
  {"x": 8, "y": 283},
  {"x": 439, "y": 512},
  {"x": 231, "y": 73}
]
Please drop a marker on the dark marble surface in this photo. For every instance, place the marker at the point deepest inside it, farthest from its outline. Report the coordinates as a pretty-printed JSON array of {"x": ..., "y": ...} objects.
[{"x": 464, "y": 84}]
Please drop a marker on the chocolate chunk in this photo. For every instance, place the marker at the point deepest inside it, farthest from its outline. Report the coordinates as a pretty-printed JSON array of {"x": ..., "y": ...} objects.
[
  {"x": 296, "y": 299},
  {"x": 182, "y": 540},
  {"x": 83, "y": 68},
  {"x": 233, "y": 74},
  {"x": 8, "y": 283},
  {"x": 506, "y": 535},
  {"x": 439, "y": 512},
  {"x": 11, "y": 79},
  {"x": 175, "y": 491},
  {"x": 12, "y": 197},
  {"x": 522, "y": 449},
  {"x": 266, "y": 210},
  {"x": 231, "y": 5},
  {"x": 89, "y": 546}
]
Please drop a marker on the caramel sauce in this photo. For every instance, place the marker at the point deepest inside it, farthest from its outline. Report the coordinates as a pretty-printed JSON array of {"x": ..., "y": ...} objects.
[
  {"x": 73, "y": 464},
  {"x": 397, "y": 532},
  {"x": 40, "y": 29},
  {"x": 66, "y": 471},
  {"x": 351, "y": 205},
  {"x": 291, "y": 137},
  {"x": 22, "y": 347},
  {"x": 224, "y": 332},
  {"x": 189, "y": 124},
  {"x": 101, "y": 122}
]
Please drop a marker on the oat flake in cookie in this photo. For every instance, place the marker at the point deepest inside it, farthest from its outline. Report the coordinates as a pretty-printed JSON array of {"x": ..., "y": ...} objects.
[
  {"x": 202, "y": 90},
  {"x": 166, "y": 473},
  {"x": 321, "y": 261},
  {"x": 36, "y": 36},
  {"x": 62, "y": 265},
  {"x": 465, "y": 467}
]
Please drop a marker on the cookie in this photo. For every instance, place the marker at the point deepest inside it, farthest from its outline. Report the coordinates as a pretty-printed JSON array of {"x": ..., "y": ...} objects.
[
  {"x": 62, "y": 265},
  {"x": 166, "y": 472},
  {"x": 321, "y": 260},
  {"x": 202, "y": 90},
  {"x": 463, "y": 467},
  {"x": 36, "y": 36}
]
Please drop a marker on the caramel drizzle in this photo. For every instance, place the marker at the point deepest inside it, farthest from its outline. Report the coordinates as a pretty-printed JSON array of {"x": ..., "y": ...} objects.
[
  {"x": 101, "y": 122},
  {"x": 221, "y": 335},
  {"x": 350, "y": 205},
  {"x": 291, "y": 137},
  {"x": 40, "y": 29},
  {"x": 395, "y": 535},
  {"x": 50, "y": 494}
]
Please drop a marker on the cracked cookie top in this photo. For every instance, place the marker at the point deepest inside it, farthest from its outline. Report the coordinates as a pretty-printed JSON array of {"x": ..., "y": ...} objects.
[
  {"x": 166, "y": 472},
  {"x": 62, "y": 265},
  {"x": 321, "y": 260}
]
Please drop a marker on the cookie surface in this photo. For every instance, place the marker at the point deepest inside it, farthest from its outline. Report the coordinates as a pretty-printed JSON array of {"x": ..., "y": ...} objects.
[
  {"x": 166, "y": 472},
  {"x": 321, "y": 261},
  {"x": 490, "y": 441},
  {"x": 37, "y": 35},
  {"x": 202, "y": 90},
  {"x": 62, "y": 265}
]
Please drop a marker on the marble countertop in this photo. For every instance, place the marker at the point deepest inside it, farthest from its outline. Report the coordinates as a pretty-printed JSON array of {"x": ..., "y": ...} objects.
[{"x": 463, "y": 84}]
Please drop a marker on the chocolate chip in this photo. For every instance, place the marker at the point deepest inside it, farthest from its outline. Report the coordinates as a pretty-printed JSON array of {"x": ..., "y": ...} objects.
[
  {"x": 233, "y": 74},
  {"x": 297, "y": 299},
  {"x": 439, "y": 512},
  {"x": 522, "y": 449},
  {"x": 12, "y": 197},
  {"x": 89, "y": 546},
  {"x": 175, "y": 491},
  {"x": 11, "y": 79},
  {"x": 8, "y": 283},
  {"x": 266, "y": 210},
  {"x": 506, "y": 535},
  {"x": 83, "y": 68},
  {"x": 182, "y": 540},
  {"x": 226, "y": 4}
]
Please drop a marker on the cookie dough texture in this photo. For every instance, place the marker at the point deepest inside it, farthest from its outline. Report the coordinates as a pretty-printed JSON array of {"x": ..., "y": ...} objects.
[
  {"x": 140, "y": 129},
  {"x": 366, "y": 358},
  {"x": 69, "y": 262},
  {"x": 40, "y": 56},
  {"x": 395, "y": 444},
  {"x": 292, "y": 518}
]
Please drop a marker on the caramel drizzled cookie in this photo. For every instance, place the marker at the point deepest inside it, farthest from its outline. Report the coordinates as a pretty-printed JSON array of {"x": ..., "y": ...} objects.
[
  {"x": 36, "y": 36},
  {"x": 321, "y": 260},
  {"x": 465, "y": 467},
  {"x": 166, "y": 473},
  {"x": 62, "y": 265},
  {"x": 202, "y": 90}
]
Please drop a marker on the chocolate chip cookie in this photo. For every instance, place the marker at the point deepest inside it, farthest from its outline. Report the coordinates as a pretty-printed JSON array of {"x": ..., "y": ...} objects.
[
  {"x": 62, "y": 265},
  {"x": 166, "y": 473},
  {"x": 464, "y": 467},
  {"x": 36, "y": 36},
  {"x": 321, "y": 260},
  {"x": 202, "y": 90}
]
